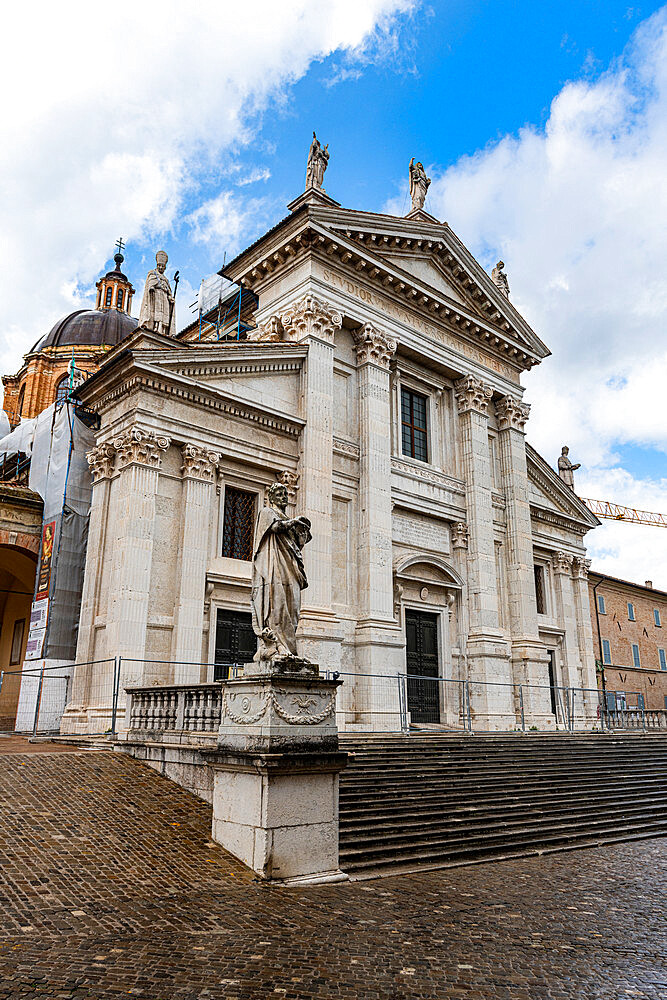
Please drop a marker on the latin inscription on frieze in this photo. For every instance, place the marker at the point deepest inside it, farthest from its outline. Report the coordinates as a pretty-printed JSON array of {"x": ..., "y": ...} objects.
[{"x": 420, "y": 532}]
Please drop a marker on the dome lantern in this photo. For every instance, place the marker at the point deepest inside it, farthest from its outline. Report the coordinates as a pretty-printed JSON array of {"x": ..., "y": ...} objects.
[{"x": 114, "y": 290}]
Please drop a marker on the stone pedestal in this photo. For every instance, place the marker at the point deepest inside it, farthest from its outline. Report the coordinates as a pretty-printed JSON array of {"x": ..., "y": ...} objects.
[{"x": 275, "y": 794}]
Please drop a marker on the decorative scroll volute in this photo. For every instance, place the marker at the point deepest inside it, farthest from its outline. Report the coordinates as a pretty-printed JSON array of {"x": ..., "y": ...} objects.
[
  {"x": 199, "y": 463},
  {"x": 373, "y": 346},
  {"x": 101, "y": 461},
  {"x": 562, "y": 562},
  {"x": 512, "y": 414},
  {"x": 140, "y": 446}
]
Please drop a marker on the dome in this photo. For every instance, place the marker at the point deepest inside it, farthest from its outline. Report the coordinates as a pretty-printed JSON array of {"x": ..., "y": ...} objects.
[{"x": 89, "y": 328}]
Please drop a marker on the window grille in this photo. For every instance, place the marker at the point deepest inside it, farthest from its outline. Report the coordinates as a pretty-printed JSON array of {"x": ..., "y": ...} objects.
[
  {"x": 656, "y": 617},
  {"x": 601, "y": 605},
  {"x": 631, "y": 612},
  {"x": 413, "y": 425},
  {"x": 238, "y": 523},
  {"x": 606, "y": 651},
  {"x": 635, "y": 655},
  {"x": 539, "y": 590}
]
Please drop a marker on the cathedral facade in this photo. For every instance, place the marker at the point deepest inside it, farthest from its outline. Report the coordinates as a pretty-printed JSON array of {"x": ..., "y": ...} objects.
[{"x": 377, "y": 374}]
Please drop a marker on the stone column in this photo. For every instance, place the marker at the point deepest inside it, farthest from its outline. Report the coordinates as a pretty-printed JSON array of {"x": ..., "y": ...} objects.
[
  {"x": 378, "y": 640},
  {"x": 314, "y": 322},
  {"x": 101, "y": 462},
  {"x": 529, "y": 656},
  {"x": 580, "y": 567},
  {"x": 487, "y": 654},
  {"x": 198, "y": 491},
  {"x": 567, "y": 613},
  {"x": 139, "y": 457}
]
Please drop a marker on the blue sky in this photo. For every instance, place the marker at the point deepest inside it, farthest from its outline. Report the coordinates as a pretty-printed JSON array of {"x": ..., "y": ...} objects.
[{"x": 543, "y": 126}]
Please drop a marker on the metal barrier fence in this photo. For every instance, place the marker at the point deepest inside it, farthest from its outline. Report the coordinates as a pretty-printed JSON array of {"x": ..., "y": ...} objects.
[{"x": 382, "y": 703}]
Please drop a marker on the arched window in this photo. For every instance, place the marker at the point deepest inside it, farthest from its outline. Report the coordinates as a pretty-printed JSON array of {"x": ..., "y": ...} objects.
[
  {"x": 107, "y": 301},
  {"x": 62, "y": 390},
  {"x": 119, "y": 298}
]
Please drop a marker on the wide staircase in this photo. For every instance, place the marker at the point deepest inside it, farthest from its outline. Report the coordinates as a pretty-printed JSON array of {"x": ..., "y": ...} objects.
[{"x": 415, "y": 802}]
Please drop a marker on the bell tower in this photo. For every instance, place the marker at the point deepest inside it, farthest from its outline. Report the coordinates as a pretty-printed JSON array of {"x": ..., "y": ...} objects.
[{"x": 114, "y": 290}]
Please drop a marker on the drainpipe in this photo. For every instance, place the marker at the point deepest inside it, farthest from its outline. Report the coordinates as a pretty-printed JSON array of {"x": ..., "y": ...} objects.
[{"x": 597, "y": 622}]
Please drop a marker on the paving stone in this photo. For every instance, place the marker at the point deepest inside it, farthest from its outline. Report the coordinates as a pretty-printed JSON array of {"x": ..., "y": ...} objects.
[{"x": 110, "y": 887}]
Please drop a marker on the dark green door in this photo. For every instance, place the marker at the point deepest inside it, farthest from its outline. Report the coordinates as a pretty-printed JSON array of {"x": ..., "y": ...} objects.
[
  {"x": 421, "y": 631},
  {"x": 235, "y": 641}
]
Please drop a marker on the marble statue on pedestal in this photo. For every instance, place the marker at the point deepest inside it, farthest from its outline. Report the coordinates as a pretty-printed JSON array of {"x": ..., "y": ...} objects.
[
  {"x": 157, "y": 305},
  {"x": 318, "y": 159},
  {"x": 566, "y": 468},
  {"x": 278, "y": 576},
  {"x": 419, "y": 184},
  {"x": 499, "y": 278}
]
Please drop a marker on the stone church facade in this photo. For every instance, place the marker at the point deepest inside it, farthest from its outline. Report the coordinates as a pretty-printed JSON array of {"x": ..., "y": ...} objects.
[{"x": 378, "y": 377}]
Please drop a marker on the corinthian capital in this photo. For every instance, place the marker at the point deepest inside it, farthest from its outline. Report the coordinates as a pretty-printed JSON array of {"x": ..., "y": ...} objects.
[
  {"x": 580, "y": 567},
  {"x": 472, "y": 394},
  {"x": 562, "y": 562},
  {"x": 373, "y": 346},
  {"x": 101, "y": 460},
  {"x": 310, "y": 317},
  {"x": 199, "y": 463},
  {"x": 512, "y": 414},
  {"x": 140, "y": 446},
  {"x": 272, "y": 330}
]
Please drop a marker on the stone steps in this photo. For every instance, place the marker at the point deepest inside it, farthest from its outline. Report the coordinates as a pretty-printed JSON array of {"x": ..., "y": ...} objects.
[{"x": 408, "y": 803}]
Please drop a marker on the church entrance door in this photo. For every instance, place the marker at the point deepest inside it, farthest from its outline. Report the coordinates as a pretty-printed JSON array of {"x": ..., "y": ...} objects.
[
  {"x": 235, "y": 641},
  {"x": 421, "y": 633}
]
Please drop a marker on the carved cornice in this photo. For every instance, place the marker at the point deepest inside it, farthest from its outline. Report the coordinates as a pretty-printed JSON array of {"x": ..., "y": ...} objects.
[
  {"x": 142, "y": 447},
  {"x": 310, "y": 317},
  {"x": 101, "y": 461},
  {"x": 512, "y": 414},
  {"x": 460, "y": 534},
  {"x": 373, "y": 346},
  {"x": 472, "y": 394},
  {"x": 547, "y": 516},
  {"x": 290, "y": 480},
  {"x": 346, "y": 448},
  {"x": 580, "y": 567},
  {"x": 199, "y": 463},
  {"x": 562, "y": 562}
]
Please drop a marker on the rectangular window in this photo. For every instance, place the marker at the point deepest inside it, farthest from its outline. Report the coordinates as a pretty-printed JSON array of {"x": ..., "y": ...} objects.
[
  {"x": 601, "y": 605},
  {"x": 413, "y": 425},
  {"x": 238, "y": 523},
  {"x": 656, "y": 617},
  {"x": 539, "y": 590},
  {"x": 107, "y": 301},
  {"x": 17, "y": 642},
  {"x": 606, "y": 651},
  {"x": 635, "y": 655},
  {"x": 663, "y": 659},
  {"x": 119, "y": 298},
  {"x": 631, "y": 612}
]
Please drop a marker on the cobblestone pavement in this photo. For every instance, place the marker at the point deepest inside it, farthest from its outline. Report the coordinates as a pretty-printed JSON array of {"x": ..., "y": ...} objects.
[
  {"x": 14, "y": 743},
  {"x": 110, "y": 887}
]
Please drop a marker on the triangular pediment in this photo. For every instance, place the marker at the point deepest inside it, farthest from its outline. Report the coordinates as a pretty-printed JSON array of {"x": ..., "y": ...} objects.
[
  {"x": 427, "y": 270},
  {"x": 548, "y": 492}
]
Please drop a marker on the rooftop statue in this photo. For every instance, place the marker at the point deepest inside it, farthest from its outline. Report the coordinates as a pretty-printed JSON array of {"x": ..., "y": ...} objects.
[
  {"x": 566, "y": 469},
  {"x": 278, "y": 576},
  {"x": 157, "y": 306},
  {"x": 419, "y": 184},
  {"x": 499, "y": 278},
  {"x": 318, "y": 160}
]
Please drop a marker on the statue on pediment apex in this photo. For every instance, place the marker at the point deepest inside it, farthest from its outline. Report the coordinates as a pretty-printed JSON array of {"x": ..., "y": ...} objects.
[
  {"x": 157, "y": 305},
  {"x": 566, "y": 468},
  {"x": 419, "y": 184},
  {"x": 318, "y": 159},
  {"x": 499, "y": 278}
]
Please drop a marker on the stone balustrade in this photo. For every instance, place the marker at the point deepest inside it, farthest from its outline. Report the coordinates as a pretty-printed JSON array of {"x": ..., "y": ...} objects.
[
  {"x": 636, "y": 718},
  {"x": 174, "y": 708}
]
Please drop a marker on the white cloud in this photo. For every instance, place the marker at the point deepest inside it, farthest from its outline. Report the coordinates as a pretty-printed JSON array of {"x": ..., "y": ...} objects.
[
  {"x": 106, "y": 124},
  {"x": 578, "y": 212}
]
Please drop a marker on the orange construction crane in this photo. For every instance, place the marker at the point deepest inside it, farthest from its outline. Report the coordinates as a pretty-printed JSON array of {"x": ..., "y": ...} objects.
[{"x": 616, "y": 512}]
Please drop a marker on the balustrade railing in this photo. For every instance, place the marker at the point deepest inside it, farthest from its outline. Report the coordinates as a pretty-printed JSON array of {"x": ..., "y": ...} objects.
[{"x": 175, "y": 708}]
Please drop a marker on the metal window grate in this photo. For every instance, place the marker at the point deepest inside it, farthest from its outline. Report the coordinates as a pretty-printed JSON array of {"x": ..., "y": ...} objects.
[
  {"x": 539, "y": 590},
  {"x": 413, "y": 425},
  {"x": 238, "y": 523}
]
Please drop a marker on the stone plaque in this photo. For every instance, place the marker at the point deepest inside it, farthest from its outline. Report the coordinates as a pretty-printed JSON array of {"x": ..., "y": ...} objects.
[{"x": 421, "y": 532}]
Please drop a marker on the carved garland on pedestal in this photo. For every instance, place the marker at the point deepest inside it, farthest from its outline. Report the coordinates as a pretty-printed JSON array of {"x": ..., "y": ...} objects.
[
  {"x": 472, "y": 394},
  {"x": 512, "y": 414},
  {"x": 310, "y": 317},
  {"x": 372, "y": 345},
  {"x": 306, "y": 718}
]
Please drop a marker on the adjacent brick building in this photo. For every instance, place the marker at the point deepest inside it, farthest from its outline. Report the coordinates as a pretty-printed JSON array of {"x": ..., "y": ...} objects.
[{"x": 630, "y": 634}]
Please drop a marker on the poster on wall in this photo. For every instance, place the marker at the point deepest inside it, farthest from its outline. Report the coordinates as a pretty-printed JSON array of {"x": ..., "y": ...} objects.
[
  {"x": 35, "y": 644},
  {"x": 44, "y": 574},
  {"x": 39, "y": 614}
]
